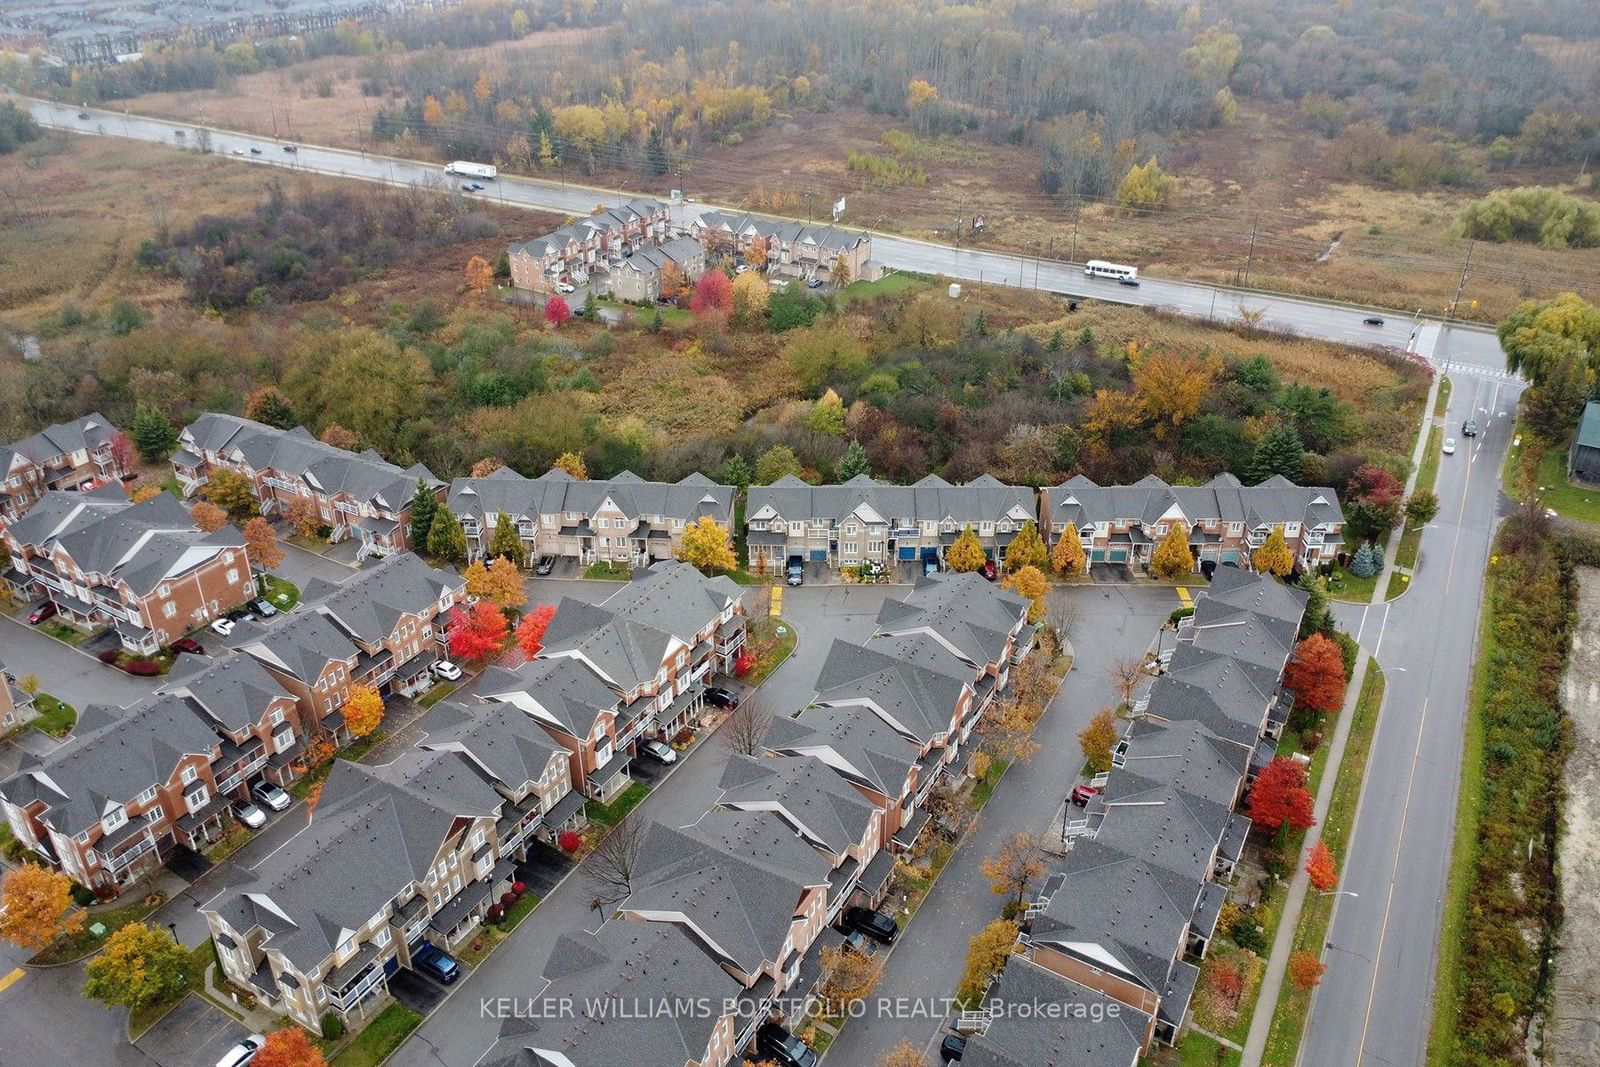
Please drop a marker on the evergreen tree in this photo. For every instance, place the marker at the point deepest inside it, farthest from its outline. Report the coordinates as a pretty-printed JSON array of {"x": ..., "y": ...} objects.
[
  {"x": 655, "y": 150},
  {"x": 1056, "y": 343},
  {"x": 1278, "y": 452},
  {"x": 506, "y": 542},
  {"x": 1364, "y": 564},
  {"x": 423, "y": 507},
  {"x": 854, "y": 462},
  {"x": 153, "y": 434},
  {"x": 736, "y": 472},
  {"x": 268, "y": 405},
  {"x": 1316, "y": 619},
  {"x": 446, "y": 539}
]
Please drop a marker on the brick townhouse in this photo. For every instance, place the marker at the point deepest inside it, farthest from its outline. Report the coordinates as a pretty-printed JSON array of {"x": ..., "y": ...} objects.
[
  {"x": 597, "y": 244},
  {"x": 146, "y": 569},
  {"x": 76, "y": 455},
  {"x": 867, "y": 521},
  {"x": 357, "y": 494},
  {"x": 621, "y": 520},
  {"x": 793, "y": 249},
  {"x": 1226, "y": 520},
  {"x": 639, "y": 278}
]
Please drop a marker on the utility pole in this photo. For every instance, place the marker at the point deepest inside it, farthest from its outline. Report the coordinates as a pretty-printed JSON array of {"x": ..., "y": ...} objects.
[
  {"x": 1251, "y": 251},
  {"x": 1465, "y": 268},
  {"x": 1077, "y": 205}
]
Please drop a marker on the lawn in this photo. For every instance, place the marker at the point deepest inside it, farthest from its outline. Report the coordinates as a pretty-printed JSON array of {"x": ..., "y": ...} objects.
[
  {"x": 83, "y": 942},
  {"x": 380, "y": 1038},
  {"x": 608, "y": 815},
  {"x": 439, "y": 691},
  {"x": 229, "y": 843},
  {"x": 492, "y": 934},
  {"x": 609, "y": 572},
  {"x": 889, "y": 285},
  {"x": 1441, "y": 405},
  {"x": 1351, "y": 589},
  {"x": 201, "y": 956},
  {"x": 62, "y": 632},
  {"x": 55, "y": 718},
  {"x": 1198, "y": 1050},
  {"x": 1568, "y": 500},
  {"x": 770, "y": 645},
  {"x": 280, "y": 592}
]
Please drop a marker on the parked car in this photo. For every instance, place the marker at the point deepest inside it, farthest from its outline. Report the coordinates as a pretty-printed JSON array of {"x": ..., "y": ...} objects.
[
  {"x": 741, "y": 268},
  {"x": 718, "y": 697},
  {"x": 952, "y": 1048},
  {"x": 436, "y": 963},
  {"x": 446, "y": 670},
  {"x": 780, "y": 1045},
  {"x": 270, "y": 795},
  {"x": 874, "y": 924},
  {"x": 659, "y": 750},
  {"x": 565, "y": 288},
  {"x": 264, "y": 608},
  {"x": 242, "y": 614},
  {"x": 545, "y": 565},
  {"x": 255, "y": 151},
  {"x": 1082, "y": 794},
  {"x": 222, "y": 627},
  {"x": 989, "y": 570},
  {"x": 1469, "y": 428},
  {"x": 243, "y": 1051},
  {"x": 1449, "y": 446},
  {"x": 796, "y": 572},
  {"x": 189, "y": 645},
  {"x": 813, "y": 283},
  {"x": 41, "y": 612},
  {"x": 250, "y": 815},
  {"x": 930, "y": 566}
]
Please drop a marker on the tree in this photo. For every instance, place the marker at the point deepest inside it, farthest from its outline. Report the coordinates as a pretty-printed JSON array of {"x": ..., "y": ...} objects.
[
  {"x": 1421, "y": 507},
  {"x": 713, "y": 294},
  {"x": 1278, "y": 452},
  {"x": 424, "y": 505},
  {"x": 1321, "y": 867},
  {"x": 1007, "y": 733},
  {"x": 1305, "y": 970},
  {"x": 610, "y": 868},
  {"x": 707, "y": 546},
  {"x": 302, "y": 516},
  {"x": 289, "y": 1047},
  {"x": 827, "y": 415},
  {"x": 848, "y": 976},
  {"x": 1273, "y": 557},
  {"x": 1374, "y": 501},
  {"x": 905, "y": 1054},
  {"x": 232, "y": 492},
  {"x": 1364, "y": 564},
  {"x": 854, "y": 463},
  {"x": 1019, "y": 863},
  {"x": 138, "y": 966},
  {"x": 1554, "y": 405},
  {"x": 736, "y": 472},
  {"x": 531, "y": 630},
  {"x": 338, "y": 437},
  {"x": 1172, "y": 387},
  {"x": 446, "y": 539},
  {"x": 572, "y": 463},
  {"x": 839, "y": 273},
  {"x": 479, "y": 633},
  {"x": 1144, "y": 187},
  {"x": 987, "y": 953},
  {"x": 261, "y": 544},
  {"x": 507, "y": 543},
  {"x": 1540, "y": 335},
  {"x": 1172, "y": 558},
  {"x": 36, "y": 907},
  {"x": 1315, "y": 675},
  {"x": 363, "y": 710},
  {"x": 751, "y": 294},
  {"x": 207, "y": 516},
  {"x": 1279, "y": 797},
  {"x": 153, "y": 434},
  {"x": 777, "y": 462},
  {"x": 1030, "y": 582},
  {"x": 556, "y": 311},
  {"x": 477, "y": 579},
  {"x": 1221, "y": 985},
  {"x": 141, "y": 493},
  {"x": 268, "y": 405},
  {"x": 745, "y": 731},
  {"x": 486, "y": 466},
  {"x": 1098, "y": 739},
  {"x": 1027, "y": 550},
  {"x": 1126, "y": 672},
  {"x": 122, "y": 453},
  {"x": 506, "y": 587},
  {"x": 966, "y": 553},
  {"x": 1067, "y": 557},
  {"x": 479, "y": 274}
]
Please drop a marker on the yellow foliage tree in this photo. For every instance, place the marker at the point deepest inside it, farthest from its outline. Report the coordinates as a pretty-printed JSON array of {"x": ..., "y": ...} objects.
[
  {"x": 1145, "y": 186},
  {"x": 363, "y": 711},
  {"x": 505, "y": 583},
  {"x": 986, "y": 955},
  {"x": 36, "y": 907},
  {"x": 839, "y": 274},
  {"x": 751, "y": 294},
  {"x": 1274, "y": 557},
  {"x": 1172, "y": 387},
  {"x": 1172, "y": 558},
  {"x": 432, "y": 111},
  {"x": 1031, "y": 583},
  {"x": 920, "y": 94},
  {"x": 144, "y": 492},
  {"x": 477, "y": 576},
  {"x": 1027, "y": 549},
  {"x": 706, "y": 545},
  {"x": 572, "y": 463},
  {"x": 966, "y": 554},
  {"x": 1067, "y": 557},
  {"x": 479, "y": 274},
  {"x": 1098, "y": 739},
  {"x": 483, "y": 88}
]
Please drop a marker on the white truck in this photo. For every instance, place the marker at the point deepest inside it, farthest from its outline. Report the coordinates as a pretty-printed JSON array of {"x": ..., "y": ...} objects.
[{"x": 464, "y": 169}]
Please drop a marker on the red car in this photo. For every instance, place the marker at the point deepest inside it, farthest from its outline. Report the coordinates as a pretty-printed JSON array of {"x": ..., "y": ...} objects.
[
  {"x": 189, "y": 645},
  {"x": 989, "y": 570},
  {"x": 1082, "y": 794},
  {"x": 42, "y": 612}
]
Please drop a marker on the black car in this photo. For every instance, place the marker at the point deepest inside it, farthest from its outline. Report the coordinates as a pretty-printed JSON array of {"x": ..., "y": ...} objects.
[
  {"x": 1469, "y": 428},
  {"x": 952, "y": 1047},
  {"x": 255, "y": 151},
  {"x": 1132, "y": 283},
  {"x": 242, "y": 615},
  {"x": 545, "y": 565},
  {"x": 783, "y": 1047},
  {"x": 83, "y": 114},
  {"x": 874, "y": 924},
  {"x": 719, "y": 697},
  {"x": 290, "y": 148},
  {"x": 436, "y": 964},
  {"x": 1373, "y": 320}
]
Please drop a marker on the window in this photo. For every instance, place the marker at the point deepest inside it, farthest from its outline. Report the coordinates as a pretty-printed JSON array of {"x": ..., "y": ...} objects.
[
  {"x": 233, "y": 576},
  {"x": 113, "y": 819},
  {"x": 197, "y": 799},
  {"x": 169, "y": 609},
  {"x": 850, "y": 529},
  {"x": 277, "y": 716},
  {"x": 383, "y": 937},
  {"x": 986, "y": 527},
  {"x": 439, "y": 872},
  {"x": 189, "y": 775},
  {"x": 147, "y": 796},
  {"x": 227, "y": 557},
  {"x": 604, "y": 524},
  {"x": 477, "y": 840},
  {"x": 1291, "y": 529},
  {"x": 164, "y": 590},
  {"x": 797, "y": 527}
]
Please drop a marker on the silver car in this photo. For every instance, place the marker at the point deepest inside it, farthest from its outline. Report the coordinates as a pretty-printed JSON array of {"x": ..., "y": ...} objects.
[{"x": 242, "y": 1052}]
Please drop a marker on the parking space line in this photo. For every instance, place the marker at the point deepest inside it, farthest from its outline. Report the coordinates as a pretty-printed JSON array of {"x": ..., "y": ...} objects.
[
  {"x": 1184, "y": 598},
  {"x": 11, "y": 979}
]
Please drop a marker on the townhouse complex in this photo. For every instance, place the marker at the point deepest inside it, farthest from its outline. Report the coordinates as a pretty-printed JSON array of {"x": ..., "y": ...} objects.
[
  {"x": 1139, "y": 890},
  {"x": 596, "y": 245},
  {"x": 81, "y": 454},
  {"x": 788, "y": 249},
  {"x": 621, "y": 520},
  {"x": 146, "y": 568},
  {"x": 356, "y": 495}
]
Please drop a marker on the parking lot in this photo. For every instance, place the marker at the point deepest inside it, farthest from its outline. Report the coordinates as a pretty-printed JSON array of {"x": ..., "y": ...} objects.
[{"x": 194, "y": 1034}]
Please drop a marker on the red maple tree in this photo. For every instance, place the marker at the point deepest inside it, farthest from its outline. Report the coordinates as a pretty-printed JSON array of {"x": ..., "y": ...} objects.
[
  {"x": 1316, "y": 675},
  {"x": 289, "y": 1047},
  {"x": 479, "y": 633},
  {"x": 530, "y": 631},
  {"x": 1280, "y": 797},
  {"x": 743, "y": 663},
  {"x": 713, "y": 292},
  {"x": 1305, "y": 970},
  {"x": 556, "y": 312},
  {"x": 1321, "y": 868}
]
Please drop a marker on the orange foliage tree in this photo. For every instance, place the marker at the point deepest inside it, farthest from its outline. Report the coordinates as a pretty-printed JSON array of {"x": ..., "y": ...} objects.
[
  {"x": 530, "y": 631},
  {"x": 1280, "y": 797},
  {"x": 207, "y": 516},
  {"x": 289, "y": 1047},
  {"x": 1316, "y": 675},
  {"x": 1306, "y": 971},
  {"x": 1321, "y": 868},
  {"x": 363, "y": 711}
]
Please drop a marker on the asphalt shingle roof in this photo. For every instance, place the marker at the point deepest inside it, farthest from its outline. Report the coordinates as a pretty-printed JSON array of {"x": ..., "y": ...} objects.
[
  {"x": 1150, "y": 500},
  {"x": 806, "y": 795},
  {"x": 1080, "y": 1026},
  {"x": 370, "y": 603},
  {"x": 932, "y": 500},
  {"x": 91, "y": 431},
  {"x": 556, "y": 492}
]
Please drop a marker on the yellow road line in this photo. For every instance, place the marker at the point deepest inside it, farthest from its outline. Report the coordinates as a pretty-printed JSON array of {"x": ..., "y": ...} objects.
[
  {"x": 776, "y": 607},
  {"x": 1183, "y": 597},
  {"x": 11, "y": 979}
]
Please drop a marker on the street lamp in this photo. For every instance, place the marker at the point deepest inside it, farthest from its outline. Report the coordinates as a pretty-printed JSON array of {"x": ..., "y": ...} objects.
[{"x": 1338, "y": 893}]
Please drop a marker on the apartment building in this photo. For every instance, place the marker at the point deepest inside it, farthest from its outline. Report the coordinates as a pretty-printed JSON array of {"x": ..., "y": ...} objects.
[
  {"x": 593, "y": 246},
  {"x": 79, "y": 455},
  {"x": 357, "y": 495},
  {"x": 1226, "y": 520},
  {"x": 787, "y": 248},
  {"x": 623, "y": 520},
  {"x": 639, "y": 277},
  {"x": 146, "y": 568},
  {"x": 867, "y": 521}
]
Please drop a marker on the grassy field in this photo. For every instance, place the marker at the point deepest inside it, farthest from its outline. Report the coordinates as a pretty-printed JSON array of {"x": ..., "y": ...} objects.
[
  {"x": 83, "y": 942},
  {"x": 888, "y": 285},
  {"x": 56, "y": 717},
  {"x": 381, "y": 1037},
  {"x": 1555, "y": 492}
]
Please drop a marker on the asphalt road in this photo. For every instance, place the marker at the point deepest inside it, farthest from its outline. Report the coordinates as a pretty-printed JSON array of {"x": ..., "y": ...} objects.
[
  {"x": 1335, "y": 322},
  {"x": 1374, "y": 1006}
]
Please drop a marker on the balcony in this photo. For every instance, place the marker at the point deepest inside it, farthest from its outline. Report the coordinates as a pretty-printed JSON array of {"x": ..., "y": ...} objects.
[{"x": 350, "y": 982}]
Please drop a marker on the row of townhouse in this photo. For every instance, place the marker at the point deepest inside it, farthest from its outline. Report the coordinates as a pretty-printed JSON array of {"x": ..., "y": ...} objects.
[
  {"x": 867, "y": 521},
  {"x": 135, "y": 784},
  {"x": 620, "y": 520},
  {"x": 786, "y": 248},
  {"x": 727, "y": 918},
  {"x": 77, "y": 455},
  {"x": 358, "y": 495},
  {"x": 16, "y": 707},
  {"x": 145, "y": 568},
  {"x": 600, "y": 243},
  {"x": 1118, "y": 922}
]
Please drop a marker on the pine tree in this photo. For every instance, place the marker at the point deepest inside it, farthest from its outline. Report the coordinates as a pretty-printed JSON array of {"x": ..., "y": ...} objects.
[
  {"x": 736, "y": 472},
  {"x": 424, "y": 505},
  {"x": 854, "y": 462},
  {"x": 1278, "y": 452},
  {"x": 1172, "y": 558},
  {"x": 153, "y": 434},
  {"x": 506, "y": 542},
  {"x": 446, "y": 539},
  {"x": 1363, "y": 565}
]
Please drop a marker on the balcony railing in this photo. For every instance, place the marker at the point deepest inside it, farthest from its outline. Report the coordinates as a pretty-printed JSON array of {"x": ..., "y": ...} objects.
[
  {"x": 122, "y": 860},
  {"x": 370, "y": 977}
]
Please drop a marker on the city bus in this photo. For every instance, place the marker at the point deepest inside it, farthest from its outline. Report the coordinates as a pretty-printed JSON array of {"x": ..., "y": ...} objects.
[{"x": 1099, "y": 268}]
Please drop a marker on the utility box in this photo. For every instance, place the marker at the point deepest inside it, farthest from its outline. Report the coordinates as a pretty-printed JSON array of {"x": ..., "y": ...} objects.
[{"x": 955, "y": 290}]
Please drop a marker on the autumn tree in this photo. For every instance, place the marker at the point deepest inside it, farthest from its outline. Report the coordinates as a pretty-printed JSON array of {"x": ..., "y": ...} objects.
[
  {"x": 1172, "y": 387},
  {"x": 1280, "y": 798},
  {"x": 1030, "y": 582},
  {"x": 446, "y": 539},
  {"x": 289, "y": 1047},
  {"x": 480, "y": 275},
  {"x": 986, "y": 956},
  {"x": 1306, "y": 971},
  {"x": 1273, "y": 557},
  {"x": 207, "y": 516},
  {"x": 1007, "y": 733},
  {"x": 36, "y": 907},
  {"x": 363, "y": 710},
  {"x": 302, "y": 516},
  {"x": 138, "y": 965},
  {"x": 966, "y": 553},
  {"x": 505, "y": 586},
  {"x": 905, "y": 1054},
  {"x": 839, "y": 273},
  {"x": 478, "y": 634},
  {"x": 1098, "y": 740},
  {"x": 507, "y": 543},
  {"x": 751, "y": 294},
  {"x": 556, "y": 311},
  {"x": 1221, "y": 984},
  {"x": 1172, "y": 558},
  {"x": 1144, "y": 186},
  {"x": 1126, "y": 672},
  {"x": 261, "y": 544},
  {"x": 486, "y": 466},
  {"x": 1321, "y": 867},
  {"x": 1019, "y": 863},
  {"x": 777, "y": 462},
  {"x": 1068, "y": 557},
  {"x": 269, "y": 406},
  {"x": 1374, "y": 502},
  {"x": 232, "y": 492},
  {"x": 338, "y": 437},
  {"x": 1315, "y": 675},
  {"x": 847, "y": 976},
  {"x": 707, "y": 546},
  {"x": 123, "y": 454},
  {"x": 1422, "y": 507},
  {"x": 713, "y": 294},
  {"x": 1027, "y": 550},
  {"x": 531, "y": 630},
  {"x": 142, "y": 493},
  {"x": 572, "y": 463},
  {"x": 827, "y": 415},
  {"x": 745, "y": 729}
]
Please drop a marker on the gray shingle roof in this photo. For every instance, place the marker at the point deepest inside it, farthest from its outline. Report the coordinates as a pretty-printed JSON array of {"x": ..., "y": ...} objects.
[
  {"x": 561, "y": 692},
  {"x": 557, "y": 492},
  {"x": 916, "y": 701},
  {"x": 1150, "y": 500},
  {"x": 861, "y": 748},
  {"x": 932, "y": 499},
  {"x": 300, "y": 645},
  {"x": 611, "y": 220},
  {"x": 370, "y": 603},
  {"x": 674, "y": 597},
  {"x": 625, "y": 652},
  {"x": 1080, "y": 1027},
  {"x": 971, "y": 615},
  {"x": 59, "y": 512},
  {"x": 91, "y": 431},
  {"x": 811, "y": 799},
  {"x": 233, "y": 691},
  {"x": 498, "y": 738},
  {"x": 830, "y": 238}
]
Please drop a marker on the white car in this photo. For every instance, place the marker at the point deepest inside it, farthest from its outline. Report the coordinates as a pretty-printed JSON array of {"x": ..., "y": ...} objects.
[
  {"x": 660, "y": 750},
  {"x": 741, "y": 268},
  {"x": 566, "y": 287},
  {"x": 271, "y": 795},
  {"x": 264, "y": 608},
  {"x": 222, "y": 627},
  {"x": 447, "y": 670},
  {"x": 1449, "y": 446},
  {"x": 242, "y": 1052},
  {"x": 250, "y": 815}
]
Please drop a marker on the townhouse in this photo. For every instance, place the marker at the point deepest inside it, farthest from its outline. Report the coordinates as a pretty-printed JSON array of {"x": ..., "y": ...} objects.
[
  {"x": 867, "y": 521},
  {"x": 357, "y": 495},
  {"x": 639, "y": 277},
  {"x": 598, "y": 244},
  {"x": 146, "y": 568},
  {"x": 788, "y": 248},
  {"x": 16, "y": 706},
  {"x": 78, "y": 455},
  {"x": 1226, "y": 520},
  {"x": 1035, "y": 1016},
  {"x": 624, "y": 520}
]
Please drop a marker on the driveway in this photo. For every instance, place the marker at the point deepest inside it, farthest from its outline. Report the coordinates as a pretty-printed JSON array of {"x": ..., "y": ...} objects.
[
  {"x": 64, "y": 671},
  {"x": 300, "y": 566},
  {"x": 420, "y": 993},
  {"x": 194, "y": 1034},
  {"x": 543, "y": 869}
]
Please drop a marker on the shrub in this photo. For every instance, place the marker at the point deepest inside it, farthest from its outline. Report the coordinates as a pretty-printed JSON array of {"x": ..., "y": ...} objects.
[
  {"x": 107, "y": 656},
  {"x": 496, "y": 913},
  {"x": 143, "y": 667},
  {"x": 519, "y": 888},
  {"x": 332, "y": 1026},
  {"x": 507, "y": 899},
  {"x": 569, "y": 841},
  {"x": 1246, "y": 933},
  {"x": 82, "y": 895}
]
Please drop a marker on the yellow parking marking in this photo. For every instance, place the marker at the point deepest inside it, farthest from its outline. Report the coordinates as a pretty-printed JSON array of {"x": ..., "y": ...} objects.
[
  {"x": 11, "y": 979},
  {"x": 776, "y": 608},
  {"x": 1184, "y": 598}
]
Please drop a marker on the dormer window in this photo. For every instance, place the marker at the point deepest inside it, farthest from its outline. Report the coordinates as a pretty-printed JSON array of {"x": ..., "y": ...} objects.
[{"x": 114, "y": 819}]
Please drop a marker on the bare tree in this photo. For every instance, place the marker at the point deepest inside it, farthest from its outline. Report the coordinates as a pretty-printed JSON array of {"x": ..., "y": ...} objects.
[
  {"x": 745, "y": 732},
  {"x": 1125, "y": 673},
  {"x": 610, "y": 868},
  {"x": 1062, "y": 615}
]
